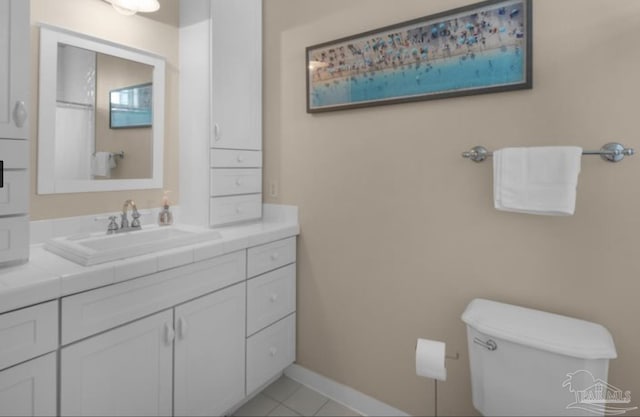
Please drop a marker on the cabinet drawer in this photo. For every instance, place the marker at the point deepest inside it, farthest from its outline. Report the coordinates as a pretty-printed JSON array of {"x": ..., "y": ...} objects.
[
  {"x": 14, "y": 153},
  {"x": 29, "y": 389},
  {"x": 225, "y": 158},
  {"x": 27, "y": 333},
  {"x": 14, "y": 239},
  {"x": 227, "y": 210},
  {"x": 14, "y": 196},
  {"x": 270, "y": 351},
  {"x": 261, "y": 259},
  {"x": 235, "y": 181},
  {"x": 270, "y": 297},
  {"x": 94, "y": 311}
]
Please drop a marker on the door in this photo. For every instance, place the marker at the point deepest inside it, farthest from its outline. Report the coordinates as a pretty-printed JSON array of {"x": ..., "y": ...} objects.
[
  {"x": 210, "y": 353},
  {"x": 123, "y": 372},
  {"x": 236, "y": 66},
  {"x": 14, "y": 68},
  {"x": 29, "y": 389}
]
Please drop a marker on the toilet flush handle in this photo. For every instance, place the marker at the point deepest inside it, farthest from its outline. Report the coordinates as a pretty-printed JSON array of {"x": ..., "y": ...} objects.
[{"x": 489, "y": 344}]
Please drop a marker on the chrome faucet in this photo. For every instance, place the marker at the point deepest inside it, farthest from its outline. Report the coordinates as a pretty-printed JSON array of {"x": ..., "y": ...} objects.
[{"x": 124, "y": 221}]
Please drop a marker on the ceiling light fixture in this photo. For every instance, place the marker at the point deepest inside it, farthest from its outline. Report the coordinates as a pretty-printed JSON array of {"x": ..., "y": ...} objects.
[{"x": 131, "y": 7}]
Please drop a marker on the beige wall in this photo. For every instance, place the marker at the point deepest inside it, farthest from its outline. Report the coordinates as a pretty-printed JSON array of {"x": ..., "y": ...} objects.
[
  {"x": 136, "y": 143},
  {"x": 398, "y": 231},
  {"x": 97, "y": 18}
]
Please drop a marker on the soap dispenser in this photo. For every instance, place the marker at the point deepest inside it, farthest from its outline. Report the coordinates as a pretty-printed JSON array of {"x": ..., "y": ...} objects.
[{"x": 165, "y": 217}]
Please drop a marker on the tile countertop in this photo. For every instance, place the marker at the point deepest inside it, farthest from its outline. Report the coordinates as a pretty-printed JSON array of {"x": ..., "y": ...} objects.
[{"x": 48, "y": 276}]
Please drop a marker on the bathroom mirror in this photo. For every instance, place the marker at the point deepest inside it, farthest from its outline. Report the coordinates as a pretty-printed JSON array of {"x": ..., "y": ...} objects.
[{"x": 101, "y": 115}]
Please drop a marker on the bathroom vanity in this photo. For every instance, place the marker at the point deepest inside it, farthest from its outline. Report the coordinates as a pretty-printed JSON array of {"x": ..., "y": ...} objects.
[{"x": 186, "y": 331}]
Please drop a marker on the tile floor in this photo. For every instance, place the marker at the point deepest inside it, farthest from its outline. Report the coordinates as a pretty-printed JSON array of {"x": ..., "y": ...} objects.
[{"x": 286, "y": 397}]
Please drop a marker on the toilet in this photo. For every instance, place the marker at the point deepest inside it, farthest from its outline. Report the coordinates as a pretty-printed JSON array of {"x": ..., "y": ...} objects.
[{"x": 530, "y": 362}]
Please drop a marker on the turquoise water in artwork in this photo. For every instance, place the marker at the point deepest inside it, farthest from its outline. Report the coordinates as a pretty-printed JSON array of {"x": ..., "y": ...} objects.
[{"x": 483, "y": 69}]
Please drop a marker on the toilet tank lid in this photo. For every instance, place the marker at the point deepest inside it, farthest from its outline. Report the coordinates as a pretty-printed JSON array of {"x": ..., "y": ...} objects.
[{"x": 541, "y": 330}]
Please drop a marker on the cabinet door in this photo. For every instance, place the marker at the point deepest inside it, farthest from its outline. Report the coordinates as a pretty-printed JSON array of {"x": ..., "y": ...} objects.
[
  {"x": 236, "y": 74},
  {"x": 14, "y": 68},
  {"x": 210, "y": 353},
  {"x": 123, "y": 372},
  {"x": 29, "y": 389}
]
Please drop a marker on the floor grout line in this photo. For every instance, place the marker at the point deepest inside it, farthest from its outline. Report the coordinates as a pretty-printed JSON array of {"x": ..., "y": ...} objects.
[{"x": 322, "y": 406}]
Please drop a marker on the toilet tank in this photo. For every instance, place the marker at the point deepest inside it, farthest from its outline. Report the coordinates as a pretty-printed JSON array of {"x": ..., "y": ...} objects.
[{"x": 530, "y": 362}]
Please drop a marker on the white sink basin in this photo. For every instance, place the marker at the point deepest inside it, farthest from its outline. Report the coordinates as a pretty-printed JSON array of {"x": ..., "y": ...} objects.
[{"x": 96, "y": 248}]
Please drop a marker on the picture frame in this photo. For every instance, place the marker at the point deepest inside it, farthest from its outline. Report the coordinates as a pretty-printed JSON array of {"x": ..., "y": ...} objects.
[
  {"x": 131, "y": 107},
  {"x": 481, "y": 48}
]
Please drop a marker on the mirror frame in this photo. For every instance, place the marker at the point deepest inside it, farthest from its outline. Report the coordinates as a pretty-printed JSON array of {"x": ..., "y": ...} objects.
[{"x": 50, "y": 37}]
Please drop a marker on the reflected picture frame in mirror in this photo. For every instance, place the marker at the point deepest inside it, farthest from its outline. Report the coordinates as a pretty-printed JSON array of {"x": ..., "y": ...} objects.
[{"x": 48, "y": 147}]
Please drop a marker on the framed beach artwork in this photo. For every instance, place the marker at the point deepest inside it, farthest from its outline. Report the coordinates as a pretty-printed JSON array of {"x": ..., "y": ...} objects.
[
  {"x": 131, "y": 107},
  {"x": 481, "y": 48}
]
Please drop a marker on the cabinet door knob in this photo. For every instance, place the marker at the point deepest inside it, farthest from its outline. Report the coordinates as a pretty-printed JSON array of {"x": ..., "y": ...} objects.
[
  {"x": 20, "y": 114},
  {"x": 169, "y": 333},
  {"x": 182, "y": 328}
]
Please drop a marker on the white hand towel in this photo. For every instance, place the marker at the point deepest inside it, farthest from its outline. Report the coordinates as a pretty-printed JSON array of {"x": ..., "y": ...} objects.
[
  {"x": 100, "y": 164},
  {"x": 539, "y": 180}
]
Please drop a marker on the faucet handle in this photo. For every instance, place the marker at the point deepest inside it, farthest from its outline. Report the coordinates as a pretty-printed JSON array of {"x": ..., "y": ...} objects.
[
  {"x": 135, "y": 215},
  {"x": 113, "y": 225},
  {"x": 124, "y": 222}
]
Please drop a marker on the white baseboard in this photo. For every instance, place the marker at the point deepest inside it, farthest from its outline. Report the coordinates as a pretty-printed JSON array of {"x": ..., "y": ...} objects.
[{"x": 349, "y": 397}]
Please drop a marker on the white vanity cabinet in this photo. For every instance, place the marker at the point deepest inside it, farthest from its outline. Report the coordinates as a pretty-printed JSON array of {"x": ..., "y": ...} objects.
[
  {"x": 129, "y": 371},
  {"x": 191, "y": 340},
  {"x": 227, "y": 62},
  {"x": 197, "y": 348},
  {"x": 14, "y": 130}
]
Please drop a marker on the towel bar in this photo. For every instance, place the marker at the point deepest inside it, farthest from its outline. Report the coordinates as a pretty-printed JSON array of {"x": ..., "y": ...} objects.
[{"x": 612, "y": 152}]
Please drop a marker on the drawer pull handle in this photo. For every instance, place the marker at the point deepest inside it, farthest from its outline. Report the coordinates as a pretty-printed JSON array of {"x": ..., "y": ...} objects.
[
  {"x": 182, "y": 328},
  {"x": 240, "y": 159},
  {"x": 239, "y": 182},
  {"x": 216, "y": 132},
  {"x": 275, "y": 256},
  {"x": 273, "y": 298},
  {"x": 238, "y": 210},
  {"x": 169, "y": 333},
  {"x": 273, "y": 351}
]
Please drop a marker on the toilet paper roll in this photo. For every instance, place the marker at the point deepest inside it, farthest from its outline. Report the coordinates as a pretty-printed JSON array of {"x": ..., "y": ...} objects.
[{"x": 430, "y": 355}]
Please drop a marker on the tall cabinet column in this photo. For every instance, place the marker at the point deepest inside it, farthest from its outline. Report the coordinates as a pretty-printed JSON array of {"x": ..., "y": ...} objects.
[
  {"x": 221, "y": 111},
  {"x": 14, "y": 131}
]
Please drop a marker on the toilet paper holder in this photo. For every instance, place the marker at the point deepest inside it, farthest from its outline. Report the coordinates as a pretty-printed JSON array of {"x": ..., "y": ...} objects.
[{"x": 448, "y": 356}]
